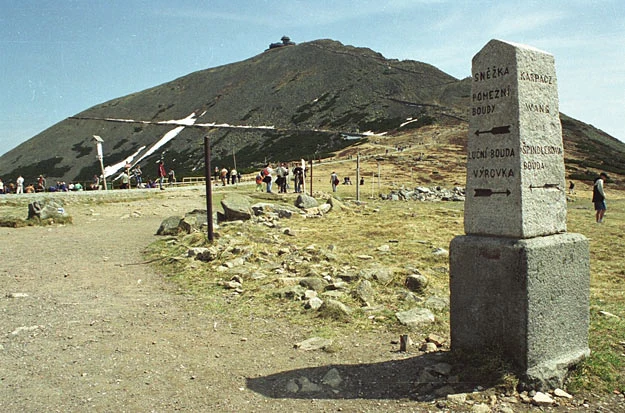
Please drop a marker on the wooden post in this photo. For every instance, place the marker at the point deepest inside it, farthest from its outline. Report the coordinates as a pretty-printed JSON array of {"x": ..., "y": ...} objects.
[
  {"x": 404, "y": 342},
  {"x": 209, "y": 187},
  {"x": 358, "y": 177}
]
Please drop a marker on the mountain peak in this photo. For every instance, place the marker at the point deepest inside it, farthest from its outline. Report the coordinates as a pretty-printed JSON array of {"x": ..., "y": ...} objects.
[{"x": 287, "y": 102}]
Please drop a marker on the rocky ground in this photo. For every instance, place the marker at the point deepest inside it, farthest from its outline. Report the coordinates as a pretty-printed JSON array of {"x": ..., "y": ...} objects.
[{"x": 87, "y": 324}]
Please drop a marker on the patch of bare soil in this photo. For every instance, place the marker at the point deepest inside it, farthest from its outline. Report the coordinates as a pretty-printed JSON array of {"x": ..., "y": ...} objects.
[{"x": 87, "y": 325}]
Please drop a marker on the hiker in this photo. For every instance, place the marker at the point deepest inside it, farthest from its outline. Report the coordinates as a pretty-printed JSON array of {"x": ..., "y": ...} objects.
[
  {"x": 598, "y": 197},
  {"x": 161, "y": 173},
  {"x": 125, "y": 180},
  {"x": 267, "y": 171},
  {"x": 281, "y": 172},
  {"x": 223, "y": 175},
  {"x": 334, "y": 180},
  {"x": 171, "y": 177},
  {"x": 41, "y": 184},
  {"x": 19, "y": 182},
  {"x": 259, "y": 182},
  {"x": 137, "y": 173},
  {"x": 298, "y": 176}
]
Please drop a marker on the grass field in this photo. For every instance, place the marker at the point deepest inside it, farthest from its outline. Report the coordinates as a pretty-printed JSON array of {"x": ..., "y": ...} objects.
[{"x": 412, "y": 230}]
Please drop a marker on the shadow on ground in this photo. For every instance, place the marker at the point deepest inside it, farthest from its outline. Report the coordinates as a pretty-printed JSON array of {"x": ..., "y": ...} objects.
[{"x": 426, "y": 377}]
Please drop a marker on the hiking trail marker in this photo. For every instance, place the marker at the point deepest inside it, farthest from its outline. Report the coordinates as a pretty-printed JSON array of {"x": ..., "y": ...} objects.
[{"x": 519, "y": 282}]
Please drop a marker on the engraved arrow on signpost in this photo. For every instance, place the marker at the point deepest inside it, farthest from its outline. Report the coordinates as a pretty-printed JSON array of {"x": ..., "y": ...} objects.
[
  {"x": 545, "y": 186},
  {"x": 489, "y": 192},
  {"x": 497, "y": 130}
]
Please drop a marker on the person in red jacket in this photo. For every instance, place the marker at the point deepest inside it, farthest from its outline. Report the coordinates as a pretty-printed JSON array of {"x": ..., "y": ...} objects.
[{"x": 162, "y": 173}]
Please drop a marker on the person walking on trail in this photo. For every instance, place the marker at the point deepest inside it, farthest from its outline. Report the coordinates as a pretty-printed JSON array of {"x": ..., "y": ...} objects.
[
  {"x": 598, "y": 197},
  {"x": 162, "y": 173},
  {"x": 298, "y": 177},
  {"x": 19, "y": 182},
  {"x": 334, "y": 180}
]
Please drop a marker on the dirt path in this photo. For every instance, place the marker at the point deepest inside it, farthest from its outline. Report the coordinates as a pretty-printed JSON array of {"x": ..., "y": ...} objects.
[
  {"x": 87, "y": 325},
  {"x": 84, "y": 326}
]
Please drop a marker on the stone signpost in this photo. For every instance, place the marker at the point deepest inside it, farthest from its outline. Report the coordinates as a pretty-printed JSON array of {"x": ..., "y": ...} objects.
[{"x": 519, "y": 282}]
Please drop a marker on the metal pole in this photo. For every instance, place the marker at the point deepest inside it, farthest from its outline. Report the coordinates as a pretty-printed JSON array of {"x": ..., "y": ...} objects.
[
  {"x": 379, "y": 176},
  {"x": 311, "y": 177},
  {"x": 209, "y": 187},
  {"x": 358, "y": 177}
]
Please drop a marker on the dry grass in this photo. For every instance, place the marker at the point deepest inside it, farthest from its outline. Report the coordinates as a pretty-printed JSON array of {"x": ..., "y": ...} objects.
[{"x": 413, "y": 230}]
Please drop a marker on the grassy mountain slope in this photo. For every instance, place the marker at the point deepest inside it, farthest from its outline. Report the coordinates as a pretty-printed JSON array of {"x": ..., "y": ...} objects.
[{"x": 316, "y": 85}]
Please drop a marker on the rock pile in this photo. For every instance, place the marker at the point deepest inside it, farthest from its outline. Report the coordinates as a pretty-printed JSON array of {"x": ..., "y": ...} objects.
[
  {"x": 255, "y": 251},
  {"x": 46, "y": 209},
  {"x": 422, "y": 193}
]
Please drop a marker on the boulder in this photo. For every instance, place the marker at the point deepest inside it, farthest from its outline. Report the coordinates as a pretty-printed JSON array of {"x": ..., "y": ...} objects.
[
  {"x": 313, "y": 283},
  {"x": 335, "y": 309},
  {"x": 305, "y": 201},
  {"x": 46, "y": 209},
  {"x": 34, "y": 210},
  {"x": 416, "y": 282},
  {"x": 169, "y": 226},
  {"x": 313, "y": 343},
  {"x": 415, "y": 317},
  {"x": 364, "y": 292},
  {"x": 314, "y": 303},
  {"x": 379, "y": 273},
  {"x": 261, "y": 208},
  {"x": 336, "y": 204},
  {"x": 237, "y": 207},
  {"x": 193, "y": 221},
  {"x": 437, "y": 303}
]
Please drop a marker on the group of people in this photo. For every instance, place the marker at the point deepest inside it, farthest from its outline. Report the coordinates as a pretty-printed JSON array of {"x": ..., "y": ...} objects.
[
  {"x": 227, "y": 176},
  {"x": 136, "y": 173},
  {"x": 19, "y": 186},
  {"x": 334, "y": 181},
  {"x": 283, "y": 176}
]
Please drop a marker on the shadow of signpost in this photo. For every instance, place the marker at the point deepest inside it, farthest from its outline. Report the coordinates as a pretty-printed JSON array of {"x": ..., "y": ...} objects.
[{"x": 424, "y": 378}]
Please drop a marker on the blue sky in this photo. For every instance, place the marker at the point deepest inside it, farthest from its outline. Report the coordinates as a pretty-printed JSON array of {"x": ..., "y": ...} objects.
[{"x": 59, "y": 57}]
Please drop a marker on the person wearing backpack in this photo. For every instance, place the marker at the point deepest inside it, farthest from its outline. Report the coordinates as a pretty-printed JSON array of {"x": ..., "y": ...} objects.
[
  {"x": 267, "y": 171},
  {"x": 259, "y": 182},
  {"x": 334, "y": 180}
]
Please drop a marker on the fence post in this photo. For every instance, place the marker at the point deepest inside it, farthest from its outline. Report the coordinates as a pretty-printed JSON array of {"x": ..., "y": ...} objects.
[{"x": 209, "y": 187}]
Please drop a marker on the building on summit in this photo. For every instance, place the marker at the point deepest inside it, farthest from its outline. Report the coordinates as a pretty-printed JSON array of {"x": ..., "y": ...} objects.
[{"x": 286, "y": 41}]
